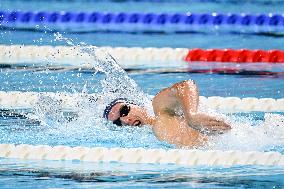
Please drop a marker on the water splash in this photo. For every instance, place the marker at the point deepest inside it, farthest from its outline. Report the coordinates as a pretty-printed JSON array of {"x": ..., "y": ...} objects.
[
  {"x": 116, "y": 83},
  {"x": 86, "y": 125},
  {"x": 250, "y": 134}
]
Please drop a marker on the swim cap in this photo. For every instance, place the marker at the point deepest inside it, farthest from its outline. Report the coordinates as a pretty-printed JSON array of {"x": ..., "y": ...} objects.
[{"x": 112, "y": 104}]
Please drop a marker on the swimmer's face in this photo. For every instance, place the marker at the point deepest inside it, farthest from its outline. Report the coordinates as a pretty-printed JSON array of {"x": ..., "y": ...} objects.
[{"x": 127, "y": 114}]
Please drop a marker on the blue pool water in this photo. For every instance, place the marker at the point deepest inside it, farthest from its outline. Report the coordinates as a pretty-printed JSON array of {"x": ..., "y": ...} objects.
[
  {"x": 47, "y": 124},
  {"x": 216, "y": 40}
]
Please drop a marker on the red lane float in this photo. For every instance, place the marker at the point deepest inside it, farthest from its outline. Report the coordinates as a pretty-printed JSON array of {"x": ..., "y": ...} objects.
[{"x": 232, "y": 55}]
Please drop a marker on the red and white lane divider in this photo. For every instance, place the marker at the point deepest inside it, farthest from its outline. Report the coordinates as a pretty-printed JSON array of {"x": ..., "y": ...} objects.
[
  {"x": 14, "y": 54},
  {"x": 238, "y": 56}
]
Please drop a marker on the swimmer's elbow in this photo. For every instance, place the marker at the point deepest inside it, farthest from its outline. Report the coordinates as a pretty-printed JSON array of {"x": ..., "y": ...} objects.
[
  {"x": 186, "y": 87},
  {"x": 185, "y": 83}
]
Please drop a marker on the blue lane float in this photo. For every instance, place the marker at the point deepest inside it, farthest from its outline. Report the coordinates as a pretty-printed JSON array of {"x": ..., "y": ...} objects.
[{"x": 123, "y": 21}]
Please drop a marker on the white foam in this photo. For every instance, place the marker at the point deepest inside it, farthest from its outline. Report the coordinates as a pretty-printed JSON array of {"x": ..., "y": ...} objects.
[{"x": 249, "y": 134}]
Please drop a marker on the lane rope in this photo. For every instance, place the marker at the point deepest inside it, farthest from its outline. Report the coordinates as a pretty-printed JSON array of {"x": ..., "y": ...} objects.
[
  {"x": 124, "y": 21},
  {"x": 14, "y": 54},
  {"x": 232, "y": 55},
  {"x": 140, "y": 155},
  {"x": 17, "y": 100}
]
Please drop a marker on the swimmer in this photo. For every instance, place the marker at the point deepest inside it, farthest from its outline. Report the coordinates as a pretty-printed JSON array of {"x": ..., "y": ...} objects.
[{"x": 176, "y": 121}]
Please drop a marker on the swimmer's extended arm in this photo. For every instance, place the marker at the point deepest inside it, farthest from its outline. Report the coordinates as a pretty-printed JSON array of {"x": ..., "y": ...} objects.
[
  {"x": 207, "y": 124},
  {"x": 185, "y": 95}
]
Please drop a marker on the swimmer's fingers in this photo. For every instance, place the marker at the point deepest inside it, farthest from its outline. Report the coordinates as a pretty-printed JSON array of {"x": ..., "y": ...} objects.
[{"x": 219, "y": 125}]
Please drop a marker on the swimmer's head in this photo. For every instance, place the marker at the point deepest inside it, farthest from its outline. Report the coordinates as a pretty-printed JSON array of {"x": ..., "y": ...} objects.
[{"x": 124, "y": 112}]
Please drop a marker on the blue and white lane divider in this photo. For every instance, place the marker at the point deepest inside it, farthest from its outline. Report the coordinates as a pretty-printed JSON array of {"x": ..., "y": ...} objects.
[{"x": 131, "y": 22}]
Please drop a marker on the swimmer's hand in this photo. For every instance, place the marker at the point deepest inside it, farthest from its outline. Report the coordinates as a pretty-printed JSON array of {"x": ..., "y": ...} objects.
[{"x": 207, "y": 124}]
